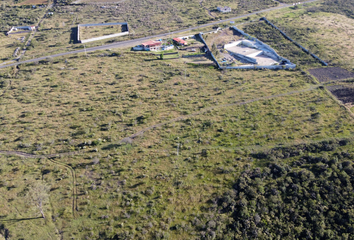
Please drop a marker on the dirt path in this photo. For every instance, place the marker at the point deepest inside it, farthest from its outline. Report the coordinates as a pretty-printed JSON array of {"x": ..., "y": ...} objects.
[
  {"x": 141, "y": 132},
  {"x": 201, "y": 4},
  {"x": 28, "y": 43},
  {"x": 50, "y": 158}
]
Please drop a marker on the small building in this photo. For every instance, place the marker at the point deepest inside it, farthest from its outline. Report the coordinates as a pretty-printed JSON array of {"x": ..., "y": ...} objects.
[
  {"x": 179, "y": 41},
  {"x": 21, "y": 29},
  {"x": 152, "y": 45},
  {"x": 224, "y": 9}
]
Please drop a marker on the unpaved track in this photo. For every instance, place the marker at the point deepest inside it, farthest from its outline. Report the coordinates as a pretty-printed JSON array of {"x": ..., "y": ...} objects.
[
  {"x": 50, "y": 158},
  {"x": 201, "y": 4}
]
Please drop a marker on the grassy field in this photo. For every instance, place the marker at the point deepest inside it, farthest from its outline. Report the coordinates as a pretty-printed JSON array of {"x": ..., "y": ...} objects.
[
  {"x": 329, "y": 37},
  {"x": 326, "y": 34},
  {"x": 8, "y": 45},
  {"x": 156, "y": 139},
  {"x": 15, "y": 16},
  {"x": 122, "y": 145}
]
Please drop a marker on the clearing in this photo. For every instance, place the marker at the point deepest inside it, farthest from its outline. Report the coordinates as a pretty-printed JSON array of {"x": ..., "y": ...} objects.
[{"x": 331, "y": 74}]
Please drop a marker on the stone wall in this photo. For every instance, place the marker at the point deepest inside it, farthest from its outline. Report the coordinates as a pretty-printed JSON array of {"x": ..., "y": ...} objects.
[
  {"x": 273, "y": 67},
  {"x": 266, "y": 49},
  {"x": 104, "y": 37},
  {"x": 296, "y": 43},
  {"x": 243, "y": 57},
  {"x": 209, "y": 52}
]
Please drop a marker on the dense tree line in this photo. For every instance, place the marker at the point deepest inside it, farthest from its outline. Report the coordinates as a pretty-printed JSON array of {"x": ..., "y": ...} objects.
[{"x": 308, "y": 198}]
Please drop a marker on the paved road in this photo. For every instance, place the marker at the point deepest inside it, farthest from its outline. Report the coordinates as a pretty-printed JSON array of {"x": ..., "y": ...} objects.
[{"x": 134, "y": 42}]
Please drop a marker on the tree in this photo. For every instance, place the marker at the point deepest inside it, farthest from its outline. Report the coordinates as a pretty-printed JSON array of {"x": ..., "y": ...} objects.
[{"x": 38, "y": 195}]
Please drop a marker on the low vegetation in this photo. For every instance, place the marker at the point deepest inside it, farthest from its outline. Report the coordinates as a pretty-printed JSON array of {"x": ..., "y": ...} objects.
[
  {"x": 130, "y": 145},
  {"x": 151, "y": 134},
  {"x": 92, "y": 32}
]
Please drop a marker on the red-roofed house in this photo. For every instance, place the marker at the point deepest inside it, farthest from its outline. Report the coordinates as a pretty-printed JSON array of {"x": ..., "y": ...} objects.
[
  {"x": 180, "y": 41},
  {"x": 152, "y": 45}
]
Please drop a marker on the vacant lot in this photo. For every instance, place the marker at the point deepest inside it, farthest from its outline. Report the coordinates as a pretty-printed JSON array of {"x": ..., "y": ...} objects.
[
  {"x": 98, "y": 31},
  {"x": 281, "y": 45},
  {"x": 331, "y": 74},
  {"x": 328, "y": 35}
]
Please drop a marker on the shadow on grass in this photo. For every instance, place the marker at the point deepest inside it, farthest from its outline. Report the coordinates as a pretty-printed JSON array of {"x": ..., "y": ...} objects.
[
  {"x": 18, "y": 219},
  {"x": 73, "y": 35},
  {"x": 137, "y": 185},
  {"x": 111, "y": 146}
]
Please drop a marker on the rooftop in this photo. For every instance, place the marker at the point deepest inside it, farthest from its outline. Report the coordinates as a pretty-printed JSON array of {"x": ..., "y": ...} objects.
[
  {"x": 179, "y": 40},
  {"x": 151, "y": 43}
]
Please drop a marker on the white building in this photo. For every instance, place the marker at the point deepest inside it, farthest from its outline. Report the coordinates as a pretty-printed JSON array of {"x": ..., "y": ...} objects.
[{"x": 224, "y": 9}]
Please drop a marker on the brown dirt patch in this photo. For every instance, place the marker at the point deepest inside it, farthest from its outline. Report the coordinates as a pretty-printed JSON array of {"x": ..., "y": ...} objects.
[
  {"x": 34, "y": 2},
  {"x": 331, "y": 74},
  {"x": 344, "y": 93}
]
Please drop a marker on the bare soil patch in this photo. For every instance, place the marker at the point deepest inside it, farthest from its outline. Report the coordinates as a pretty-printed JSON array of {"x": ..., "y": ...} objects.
[
  {"x": 344, "y": 93},
  {"x": 330, "y": 74}
]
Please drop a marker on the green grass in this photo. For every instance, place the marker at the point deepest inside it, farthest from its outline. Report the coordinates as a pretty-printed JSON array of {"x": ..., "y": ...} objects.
[
  {"x": 145, "y": 187},
  {"x": 201, "y": 129}
]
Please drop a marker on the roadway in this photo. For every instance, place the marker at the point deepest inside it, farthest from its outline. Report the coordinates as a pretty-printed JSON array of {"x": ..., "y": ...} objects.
[{"x": 134, "y": 42}]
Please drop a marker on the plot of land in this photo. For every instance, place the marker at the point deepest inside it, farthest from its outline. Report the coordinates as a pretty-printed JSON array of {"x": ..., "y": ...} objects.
[
  {"x": 99, "y": 31},
  {"x": 33, "y": 2},
  {"x": 344, "y": 93},
  {"x": 197, "y": 59},
  {"x": 281, "y": 45},
  {"x": 221, "y": 38},
  {"x": 327, "y": 35},
  {"x": 331, "y": 74}
]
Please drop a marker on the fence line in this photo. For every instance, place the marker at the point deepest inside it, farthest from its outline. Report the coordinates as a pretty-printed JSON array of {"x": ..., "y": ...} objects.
[
  {"x": 289, "y": 64},
  {"x": 101, "y": 37},
  {"x": 296, "y": 43},
  {"x": 209, "y": 52}
]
